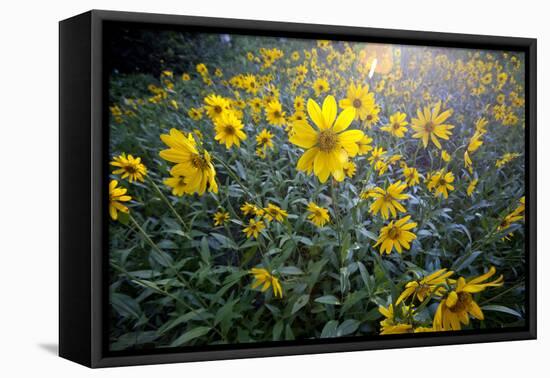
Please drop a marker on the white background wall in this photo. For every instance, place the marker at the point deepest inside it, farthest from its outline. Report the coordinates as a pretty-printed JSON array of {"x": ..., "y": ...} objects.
[{"x": 29, "y": 174}]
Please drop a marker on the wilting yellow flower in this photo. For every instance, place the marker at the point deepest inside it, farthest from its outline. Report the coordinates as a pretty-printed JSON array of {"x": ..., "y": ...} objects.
[
  {"x": 274, "y": 212},
  {"x": 386, "y": 201},
  {"x": 506, "y": 158},
  {"x": 265, "y": 138},
  {"x": 430, "y": 284},
  {"x": 320, "y": 86},
  {"x": 263, "y": 277},
  {"x": 411, "y": 176},
  {"x": 430, "y": 125},
  {"x": 389, "y": 325},
  {"x": 129, "y": 167},
  {"x": 349, "y": 169},
  {"x": 195, "y": 114},
  {"x": 445, "y": 156},
  {"x": 455, "y": 309},
  {"x": 215, "y": 106},
  {"x": 254, "y": 228},
  {"x": 397, "y": 125},
  {"x": 441, "y": 181},
  {"x": 318, "y": 215},
  {"x": 251, "y": 209},
  {"x": 329, "y": 146},
  {"x": 359, "y": 98},
  {"x": 177, "y": 183},
  {"x": 196, "y": 167},
  {"x": 274, "y": 113},
  {"x": 229, "y": 130},
  {"x": 472, "y": 187},
  {"x": 220, "y": 218},
  {"x": 396, "y": 235},
  {"x": 515, "y": 216},
  {"x": 116, "y": 196}
]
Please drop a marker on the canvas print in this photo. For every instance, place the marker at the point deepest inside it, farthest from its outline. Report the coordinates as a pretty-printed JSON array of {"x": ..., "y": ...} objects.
[{"x": 268, "y": 189}]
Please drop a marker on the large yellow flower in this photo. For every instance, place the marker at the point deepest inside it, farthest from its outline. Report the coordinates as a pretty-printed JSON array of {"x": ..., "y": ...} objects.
[
  {"x": 116, "y": 196},
  {"x": 196, "y": 167},
  {"x": 129, "y": 167},
  {"x": 387, "y": 201},
  {"x": 430, "y": 125},
  {"x": 329, "y": 146},
  {"x": 265, "y": 279},
  {"x": 317, "y": 214},
  {"x": 229, "y": 130},
  {"x": 455, "y": 309},
  {"x": 359, "y": 98},
  {"x": 396, "y": 235}
]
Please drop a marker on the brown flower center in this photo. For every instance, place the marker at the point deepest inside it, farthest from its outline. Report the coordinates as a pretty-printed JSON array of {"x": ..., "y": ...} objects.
[
  {"x": 199, "y": 162},
  {"x": 277, "y": 114},
  {"x": 393, "y": 233},
  {"x": 429, "y": 126},
  {"x": 357, "y": 103},
  {"x": 218, "y": 109},
  {"x": 327, "y": 140},
  {"x": 229, "y": 130},
  {"x": 463, "y": 302},
  {"x": 442, "y": 182},
  {"x": 396, "y": 126}
]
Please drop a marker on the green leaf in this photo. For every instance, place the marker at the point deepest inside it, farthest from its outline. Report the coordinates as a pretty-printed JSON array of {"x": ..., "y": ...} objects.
[
  {"x": 328, "y": 299},
  {"x": 347, "y": 327},
  {"x": 300, "y": 302},
  {"x": 499, "y": 308},
  {"x": 190, "y": 335},
  {"x": 329, "y": 330},
  {"x": 290, "y": 270},
  {"x": 205, "y": 250}
]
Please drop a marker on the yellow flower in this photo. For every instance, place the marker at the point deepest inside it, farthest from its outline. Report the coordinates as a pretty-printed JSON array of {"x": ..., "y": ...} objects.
[
  {"x": 411, "y": 176},
  {"x": 386, "y": 201},
  {"x": 389, "y": 325},
  {"x": 364, "y": 145},
  {"x": 396, "y": 235},
  {"x": 376, "y": 155},
  {"x": 265, "y": 279},
  {"x": 299, "y": 103},
  {"x": 250, "y": 209},
  {"x": 116, "y": 196},
  {"x": 318, "y": 215},
  {"x": 506, "y": 158},
  {"x": 220, "y": 218},
  {"x": 359, "y": 98},
  {"x": 441, "y": 181},
  {"x": 349, "y": 169},
  {"x": 215, "y": 106},
  {"x": 430, "y": 284},
  {"x": 397, "y": 125},
  {"x": 274, "y": 212},
  {"x": 178, "y": 185},
  {"x": 265, "y": 139},
  {"x": 201, "y": 69},
  {"x": 254, "y": 228},
  {"x": 129, "y": 167},
  {"x": 195, "y": 114},
  {"x": 195, "y": 166},
  {"x": 430, "y": 125},
  {"x": 185, "y": 77},
  {"x": 329, "y": 146},
  {"x": 274, "y": 113},
  {"x": 229, "y": 130},
  {"x": 371, "y": 117},
  {"x": 471, "y": 187},
  {"x": 455, "y": 309},
  {"x": 445, "y": 156},
  {"x": 320, "y": 86}
]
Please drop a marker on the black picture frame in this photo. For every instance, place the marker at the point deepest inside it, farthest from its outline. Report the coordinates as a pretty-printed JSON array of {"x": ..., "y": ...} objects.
[{"x": 83, "y": 161}]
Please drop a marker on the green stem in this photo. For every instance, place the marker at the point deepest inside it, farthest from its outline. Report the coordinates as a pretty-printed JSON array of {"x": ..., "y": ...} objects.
[{"x": 172, "y": 209}]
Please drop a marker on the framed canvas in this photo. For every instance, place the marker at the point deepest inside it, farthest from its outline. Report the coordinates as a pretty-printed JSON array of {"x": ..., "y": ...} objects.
[{"x": 233, "y": 188}]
